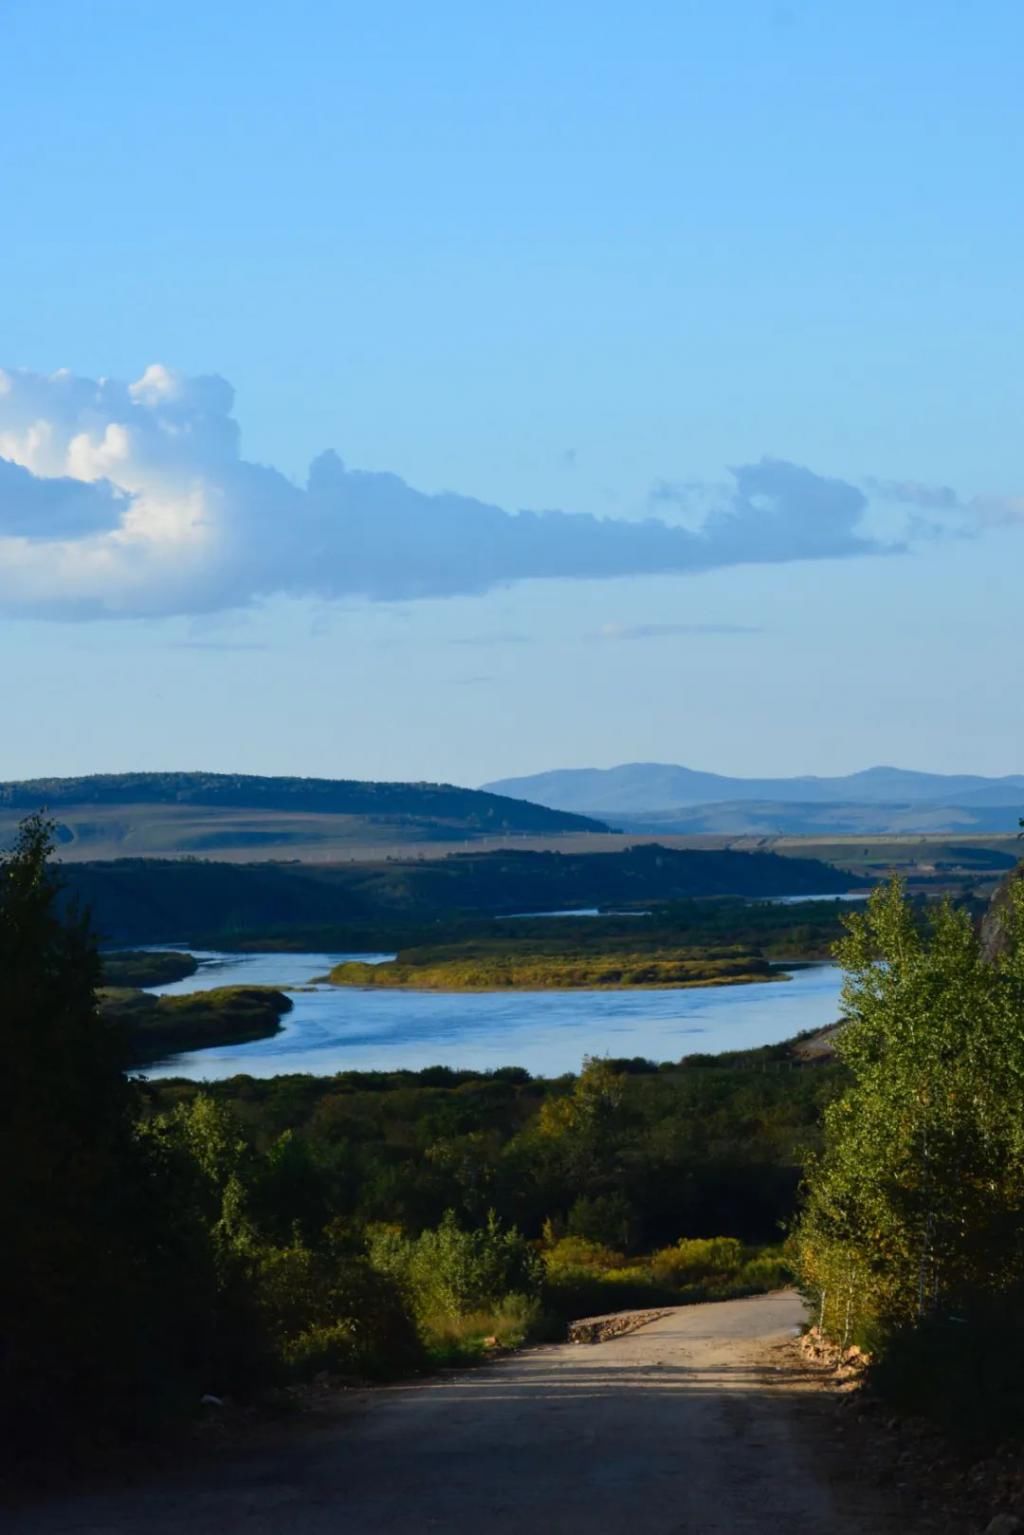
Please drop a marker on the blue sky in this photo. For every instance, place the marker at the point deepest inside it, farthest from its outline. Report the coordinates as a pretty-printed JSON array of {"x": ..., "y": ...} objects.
[{"x": 577, "y": 258}]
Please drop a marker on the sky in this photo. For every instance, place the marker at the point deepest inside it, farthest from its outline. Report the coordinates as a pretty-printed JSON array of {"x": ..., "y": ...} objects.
[{"x": 455, "y": 391}]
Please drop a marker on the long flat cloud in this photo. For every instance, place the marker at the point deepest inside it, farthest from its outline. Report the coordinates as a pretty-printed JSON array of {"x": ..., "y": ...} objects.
[{"x": 134, "y": 500}]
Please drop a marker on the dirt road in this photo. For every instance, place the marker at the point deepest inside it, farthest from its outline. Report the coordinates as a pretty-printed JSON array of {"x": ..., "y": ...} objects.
[{"x": 699, "y": 1422}]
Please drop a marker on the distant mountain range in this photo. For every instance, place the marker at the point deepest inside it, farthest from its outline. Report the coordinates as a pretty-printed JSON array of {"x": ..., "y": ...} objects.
[
  {"x": 650, "y": 796},
  {"x": 113, "y": 815}
]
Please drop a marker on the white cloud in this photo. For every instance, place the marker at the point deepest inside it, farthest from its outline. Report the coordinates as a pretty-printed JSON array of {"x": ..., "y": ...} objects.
[{"x": 134, "y": 499}]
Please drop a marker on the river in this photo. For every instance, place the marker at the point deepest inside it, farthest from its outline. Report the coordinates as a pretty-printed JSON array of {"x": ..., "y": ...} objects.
[{"x": 333, "y": 1028}]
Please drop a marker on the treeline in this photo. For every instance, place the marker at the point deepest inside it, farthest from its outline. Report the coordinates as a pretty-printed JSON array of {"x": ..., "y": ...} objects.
[
  {"x": 164, "y": 1242},
  {"x": 706, "y": 942},
  {"x": 912, "y": 1240},
  {"x": 380, "y": 905},
  {"x": 628, "y": 1154}
]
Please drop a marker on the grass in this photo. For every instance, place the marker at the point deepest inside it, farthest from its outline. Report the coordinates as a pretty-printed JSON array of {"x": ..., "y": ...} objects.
[
  {"x": 502, "y": 964},
  {"x": 513, "y": 1322}
]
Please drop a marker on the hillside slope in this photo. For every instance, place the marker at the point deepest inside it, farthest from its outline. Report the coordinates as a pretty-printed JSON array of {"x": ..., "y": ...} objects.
[
  {"x": 774, "y": 818},
  {"x": 153, "y": 814},
  {"x": 636, "y": 788}
]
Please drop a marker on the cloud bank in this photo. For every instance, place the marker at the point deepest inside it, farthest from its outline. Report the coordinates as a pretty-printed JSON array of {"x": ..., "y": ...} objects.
[{"x": 133, "y": 500}]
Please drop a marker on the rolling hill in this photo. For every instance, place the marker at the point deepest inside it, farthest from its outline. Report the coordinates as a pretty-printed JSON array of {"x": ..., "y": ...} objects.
[
  {"x": 644, "y": 796},
  {"x": 159, "y": 814}
]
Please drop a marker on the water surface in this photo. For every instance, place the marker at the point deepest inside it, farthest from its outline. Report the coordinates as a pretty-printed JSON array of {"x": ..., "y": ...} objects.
[{"x": 334, "y": 1029}]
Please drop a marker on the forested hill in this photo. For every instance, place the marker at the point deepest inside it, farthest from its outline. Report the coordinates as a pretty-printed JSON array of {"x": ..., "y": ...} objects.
[
  {"x": 367, "y": 905},
  {"x": 153, "y": 813}
]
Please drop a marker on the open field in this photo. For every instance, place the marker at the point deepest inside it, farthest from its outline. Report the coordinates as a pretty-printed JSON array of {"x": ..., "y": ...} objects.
[
  {"x": 946, "y": 861},
  {"x": 239, "y": 835}
]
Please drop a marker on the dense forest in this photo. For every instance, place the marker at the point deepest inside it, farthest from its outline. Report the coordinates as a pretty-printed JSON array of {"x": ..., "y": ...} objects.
[{"x": 375, "y": 905}]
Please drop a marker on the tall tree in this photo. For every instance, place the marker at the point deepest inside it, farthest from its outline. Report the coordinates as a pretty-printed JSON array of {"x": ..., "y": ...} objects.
[
  {"x": 83, "y": 1281},
  {"x": 917, "y": 1200}
]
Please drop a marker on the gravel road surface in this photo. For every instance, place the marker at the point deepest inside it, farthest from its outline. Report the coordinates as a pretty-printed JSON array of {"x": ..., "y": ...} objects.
[{"x": 699, "y": 1423}]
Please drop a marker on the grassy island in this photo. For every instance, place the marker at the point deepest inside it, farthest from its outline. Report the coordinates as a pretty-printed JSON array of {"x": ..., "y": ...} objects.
[
  {"x": 502, "y": 964},
  {"x": 162, "y": 1026}
]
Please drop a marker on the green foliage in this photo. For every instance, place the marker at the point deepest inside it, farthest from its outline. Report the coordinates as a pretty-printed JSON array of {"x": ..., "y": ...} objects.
[
  {"x": 463, "y": 1286},
  {"x": 414, "y": 903},
  {"x": 575, "y": 1255},
  {"x": 155, "y": 1027},
  {"x": 677, "y": 1148},
  {"x": 468, "y": 1338},
  {"x": 585, "y": 1277},
  {"x": 915, "y": 1206},
  {"x": 694, "y": 1259},
  {"x": 91, "y": 1287},
  {"x": 330, "y": 1309},
  {"x": 452, "y": 1272},
  {"x": 507, "y": 964}
]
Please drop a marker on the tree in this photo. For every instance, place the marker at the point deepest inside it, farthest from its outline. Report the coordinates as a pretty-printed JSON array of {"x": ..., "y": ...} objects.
[
  {"x": 88, "y": 1273},
  {"x": 916, "y": 1201}
]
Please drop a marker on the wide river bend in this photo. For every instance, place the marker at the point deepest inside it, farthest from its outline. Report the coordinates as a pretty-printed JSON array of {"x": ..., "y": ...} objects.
[{"x": 333, "y": 1029}]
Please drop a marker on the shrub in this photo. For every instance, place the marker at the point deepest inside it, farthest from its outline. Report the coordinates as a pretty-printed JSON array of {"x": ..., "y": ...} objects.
[
  {"x": 449, "y": 1274},
  {"x": 326, "y": 1311},
  {"x": 693, "y": 1260},
  {"x": 515, "y": 1320},
  {"x": 964, "y": 1372},
  {"x": 605, "y": 1218},
  {"x": 575, "y": 1254}
]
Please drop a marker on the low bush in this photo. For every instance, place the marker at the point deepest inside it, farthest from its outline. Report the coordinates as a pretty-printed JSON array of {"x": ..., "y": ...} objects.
[
  {"x": 463, "y": 1286},
  {"x": 964, "y": 1372},
  {"x": 587, "y": 1279},
  {"x": 513, "y": 1321},
  {"x": 326, "y": 1310},
  {"x": 696, "y": 1260}
]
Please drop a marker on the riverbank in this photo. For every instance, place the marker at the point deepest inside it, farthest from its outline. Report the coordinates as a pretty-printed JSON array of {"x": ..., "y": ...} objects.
[{"x": 158, "y": 1027}]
